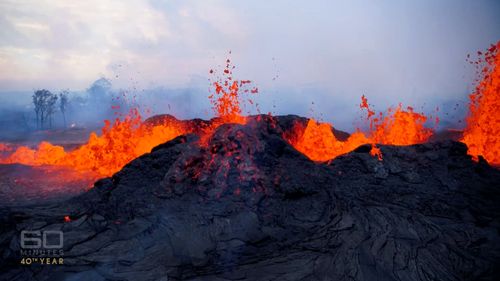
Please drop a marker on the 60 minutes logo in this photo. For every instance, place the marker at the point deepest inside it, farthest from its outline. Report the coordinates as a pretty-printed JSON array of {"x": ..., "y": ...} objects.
[
  {"x": 41, "y": 242},
  {"x": 42, "y": 247}
]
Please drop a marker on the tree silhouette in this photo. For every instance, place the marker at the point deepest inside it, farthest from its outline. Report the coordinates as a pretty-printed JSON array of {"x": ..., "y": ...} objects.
[
  {"x": 51, "y": 108},
  {"x": 63, "y": 104},
  {"x": 44, "y": 102},
  {"x": 39, "y": 100}
]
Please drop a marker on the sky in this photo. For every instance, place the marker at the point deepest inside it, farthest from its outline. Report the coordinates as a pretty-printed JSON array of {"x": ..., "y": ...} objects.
[{"x": 296, "y": 52}]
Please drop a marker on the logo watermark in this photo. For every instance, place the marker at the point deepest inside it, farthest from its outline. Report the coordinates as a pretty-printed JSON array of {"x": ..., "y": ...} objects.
[{"x": 42, "y": 247}]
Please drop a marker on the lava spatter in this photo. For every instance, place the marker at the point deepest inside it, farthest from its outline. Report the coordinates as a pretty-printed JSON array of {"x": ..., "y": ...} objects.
[
  {"x": 227, "y": 101},
  {"x": 397, "y": 127},
  {"x": 482, "y": 133}
]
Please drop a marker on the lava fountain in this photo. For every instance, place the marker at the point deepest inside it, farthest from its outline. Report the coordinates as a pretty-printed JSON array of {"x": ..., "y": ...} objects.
[
  {"x": 397, "y": 127},
  {"x": 125, "y": 139},
  {"x": 128, "y": 138},
  {"x": 482, "y": 134}
]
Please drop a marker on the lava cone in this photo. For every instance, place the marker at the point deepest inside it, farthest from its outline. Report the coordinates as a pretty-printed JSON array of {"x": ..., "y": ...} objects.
[{"x": 245, "y": 204}]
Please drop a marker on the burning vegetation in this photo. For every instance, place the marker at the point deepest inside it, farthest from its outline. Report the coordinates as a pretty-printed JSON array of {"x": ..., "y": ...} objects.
[{"x": 125, "y": 139}]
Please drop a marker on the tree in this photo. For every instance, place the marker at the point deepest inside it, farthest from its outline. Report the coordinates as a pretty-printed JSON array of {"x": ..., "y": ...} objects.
[
  {"x": 63, "y": 104},
  {"x": 51, "y": 107},
  {"x": 44, "y": 102},
  {"x": 39, "y": 100}
]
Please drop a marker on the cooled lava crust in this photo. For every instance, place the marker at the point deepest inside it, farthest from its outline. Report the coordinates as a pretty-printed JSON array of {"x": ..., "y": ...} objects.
[{"x": 245, "y": 205}]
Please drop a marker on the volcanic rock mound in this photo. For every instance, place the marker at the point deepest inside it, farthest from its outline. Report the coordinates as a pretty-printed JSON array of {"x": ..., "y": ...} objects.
[{"x": 245, "y": 205}]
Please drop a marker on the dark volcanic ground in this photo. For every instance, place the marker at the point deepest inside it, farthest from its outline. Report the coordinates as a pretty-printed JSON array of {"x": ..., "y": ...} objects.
[{"x": 248, "y": 206}]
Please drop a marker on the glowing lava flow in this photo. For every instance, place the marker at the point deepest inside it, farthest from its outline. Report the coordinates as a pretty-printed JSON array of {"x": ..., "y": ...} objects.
[
  {"x": 482, "y": 134},
  {"x": 106, "y": 154}
]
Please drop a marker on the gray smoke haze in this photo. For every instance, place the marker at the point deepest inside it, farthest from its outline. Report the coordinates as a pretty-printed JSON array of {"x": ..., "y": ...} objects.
[{"x": 298, "y": 53}]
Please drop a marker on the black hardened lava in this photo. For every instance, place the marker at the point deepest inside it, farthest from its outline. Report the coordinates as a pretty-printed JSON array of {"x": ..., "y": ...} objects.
[{"x": 247, "y": 206}]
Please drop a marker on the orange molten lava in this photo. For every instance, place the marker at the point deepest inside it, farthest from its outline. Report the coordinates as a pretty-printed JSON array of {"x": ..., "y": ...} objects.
[
  {"x": 127, "y": 139},
  {"x": 227, "y": 104},
  {"x": 399, "y": 127},
  {"x": 106, "y": 154},
  {"x": 482, "y": 134},
  {"x": 4, "y": 147},
  {"x": 318, "y": 142},
  {"x": 226, "y": 100}
]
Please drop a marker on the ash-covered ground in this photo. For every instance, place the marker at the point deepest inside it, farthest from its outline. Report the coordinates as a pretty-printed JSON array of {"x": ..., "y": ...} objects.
[{"x": 245, "y": 205}]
